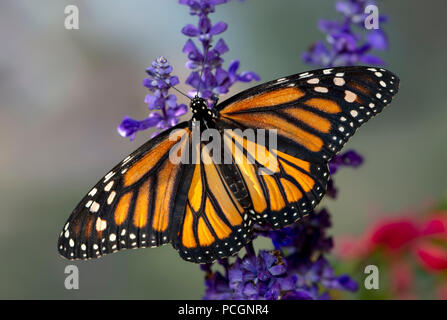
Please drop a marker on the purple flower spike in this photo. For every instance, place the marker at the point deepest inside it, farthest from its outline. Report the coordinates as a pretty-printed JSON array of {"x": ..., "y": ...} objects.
[
  {"x": 216, "y": 80},
  {"x": 165, "y": 111},
  {"x": 349, "y": 42}
]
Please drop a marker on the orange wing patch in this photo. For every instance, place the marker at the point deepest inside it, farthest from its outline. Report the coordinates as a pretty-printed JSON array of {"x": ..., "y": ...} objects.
[
  {"x": 298, "y": 162},
  {"x": 230, "y": 207},
  {"x": 276, "y": 199},
  {"x": 303, "y": 179},
  {"x": 164, "y": 196},
  {"x": 204, "y": 234},
  {"x": 293, "y": 194},
  {"x": 122, "y": 209},
  {"x": 311, "y": 119},
  {"x": 188, "y": 239},
  {"x": 142, "y": 205},
  {"x": 283, "y": 127},
  {"x": 324, "y": 105},
  {"x": 196, "y": 189},
  {"x": 146, "y": 163},
  {"x": 219, "y": 227},
  {"x": 268, "y": 99}
]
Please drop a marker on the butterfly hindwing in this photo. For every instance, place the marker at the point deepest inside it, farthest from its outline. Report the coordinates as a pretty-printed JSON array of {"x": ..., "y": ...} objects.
[
  {"x": 214, "y": 224},
  {"x": 281, "y": 186}
]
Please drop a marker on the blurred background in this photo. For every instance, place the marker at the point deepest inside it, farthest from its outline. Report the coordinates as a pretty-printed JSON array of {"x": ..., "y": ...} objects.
[{"x": 63, "y": 92}]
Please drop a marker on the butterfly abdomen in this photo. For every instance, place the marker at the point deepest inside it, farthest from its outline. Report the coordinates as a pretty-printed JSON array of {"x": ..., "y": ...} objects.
[{"x": 234, "y": 180}]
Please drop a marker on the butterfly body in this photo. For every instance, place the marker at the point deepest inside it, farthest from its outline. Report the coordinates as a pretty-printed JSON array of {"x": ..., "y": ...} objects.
[
  {"x": 207, "y": 208},
  {"x": 201, "y": 112}
]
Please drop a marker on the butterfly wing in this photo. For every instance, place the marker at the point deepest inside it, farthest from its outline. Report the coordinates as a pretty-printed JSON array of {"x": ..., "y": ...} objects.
[
  {"x": 132, "y": 206},
  {"x": 214, "y": 223},
  {"x": 281, "y": 186},
  {"x": 318, "y": 111},
  {"x": 314, "y": 114}
]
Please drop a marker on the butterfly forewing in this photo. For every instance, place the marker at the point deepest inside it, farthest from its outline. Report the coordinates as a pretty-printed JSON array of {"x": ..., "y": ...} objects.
[
  {"x": 131, "y": 207},
  {"x": 319, "y": 110}
]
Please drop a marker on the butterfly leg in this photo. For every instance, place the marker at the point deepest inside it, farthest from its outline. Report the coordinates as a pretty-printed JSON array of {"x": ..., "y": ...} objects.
[{"x": 215, "y": 101}]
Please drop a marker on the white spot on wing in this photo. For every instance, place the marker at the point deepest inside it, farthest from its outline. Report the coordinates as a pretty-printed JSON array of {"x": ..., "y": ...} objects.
[
  {"x": 339, "y": 81},
  {"x": 108, "y": 176},
  {"x": 94, "y": 207},
  {"x": 111, "y": 197},
  {"x": 101, "y": 225},
  {"x": 313, "y": 81},
  {"x": 350, "y": 96},
  {"x": 321, "y": 89},
  {"x": 108, "y": 186}
]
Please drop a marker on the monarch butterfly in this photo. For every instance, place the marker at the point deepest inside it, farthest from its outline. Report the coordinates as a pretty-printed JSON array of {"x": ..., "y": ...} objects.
[{"x": 207, "y": 210}]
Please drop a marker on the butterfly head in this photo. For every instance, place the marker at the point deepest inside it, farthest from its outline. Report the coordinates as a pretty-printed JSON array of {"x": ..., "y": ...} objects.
[{"x": 200, "y": 110}]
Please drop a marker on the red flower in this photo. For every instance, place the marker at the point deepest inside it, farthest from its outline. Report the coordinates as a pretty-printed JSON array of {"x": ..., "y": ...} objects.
[
  {"x": 393, "y": 234},
  {"x": 431, "y": 256},
  {"x": 436, "y": 225}
]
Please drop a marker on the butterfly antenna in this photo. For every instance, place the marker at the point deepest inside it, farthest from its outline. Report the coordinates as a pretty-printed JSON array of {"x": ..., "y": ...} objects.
[
  {"x": 181, "y": 93},
  {"x": 173, "y": 87},
  {"x": 203, "y": 68}
]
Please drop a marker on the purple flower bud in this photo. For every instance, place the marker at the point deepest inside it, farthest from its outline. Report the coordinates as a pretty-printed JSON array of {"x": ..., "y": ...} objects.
[{"x": 349, "y": 158}]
